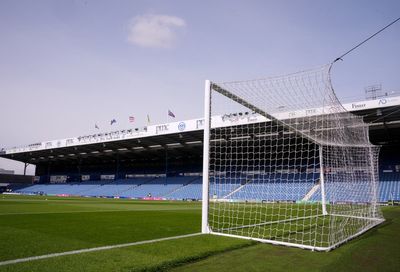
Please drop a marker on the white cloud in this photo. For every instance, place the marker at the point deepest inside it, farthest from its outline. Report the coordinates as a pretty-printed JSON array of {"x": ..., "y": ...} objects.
[{"x": 152, "y": 30}]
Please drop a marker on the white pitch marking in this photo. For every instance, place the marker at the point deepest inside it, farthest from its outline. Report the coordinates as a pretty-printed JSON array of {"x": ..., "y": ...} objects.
[
  {"x": 34, "y": 258},
  {"x": 133, "y": 210}
]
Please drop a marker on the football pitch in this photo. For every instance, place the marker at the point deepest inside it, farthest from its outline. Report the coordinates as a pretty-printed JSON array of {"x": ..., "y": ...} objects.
[{"x": 35, "y": 226}]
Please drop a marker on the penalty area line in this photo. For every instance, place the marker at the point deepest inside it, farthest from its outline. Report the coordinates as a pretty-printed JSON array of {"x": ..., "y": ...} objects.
[{"x": 93, "y": 249}]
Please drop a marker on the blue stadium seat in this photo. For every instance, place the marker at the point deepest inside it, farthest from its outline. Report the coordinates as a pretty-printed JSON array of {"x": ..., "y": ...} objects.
[{"x": 273, "y": 187}]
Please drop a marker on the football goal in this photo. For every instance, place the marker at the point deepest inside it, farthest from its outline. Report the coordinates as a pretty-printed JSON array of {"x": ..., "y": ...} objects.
[{"x": 285, "y": 163}]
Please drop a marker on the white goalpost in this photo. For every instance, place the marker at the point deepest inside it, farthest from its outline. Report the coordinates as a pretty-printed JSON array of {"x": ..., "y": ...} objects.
[{"x": 285, "y": 163}]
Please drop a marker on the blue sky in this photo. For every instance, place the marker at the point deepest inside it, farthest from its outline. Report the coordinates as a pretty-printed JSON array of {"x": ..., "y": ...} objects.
[{"x": 66, "y": 65}]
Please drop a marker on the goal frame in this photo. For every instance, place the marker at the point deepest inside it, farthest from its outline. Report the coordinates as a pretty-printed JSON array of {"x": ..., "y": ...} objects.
[{"x": 205, "y": 229}]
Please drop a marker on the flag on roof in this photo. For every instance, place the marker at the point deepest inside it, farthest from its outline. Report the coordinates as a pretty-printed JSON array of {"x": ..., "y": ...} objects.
[
  {"x": 113, "y": 121},
  {"x": 96, "y": 126},
  {"x": 170, "y": 113},
  {"x": 131, "y": 119},
  {"x": 148, "y": 119}
]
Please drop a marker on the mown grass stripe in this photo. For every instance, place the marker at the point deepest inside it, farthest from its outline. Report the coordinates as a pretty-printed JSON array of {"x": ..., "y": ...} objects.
[{"x": 73, "y": 252}]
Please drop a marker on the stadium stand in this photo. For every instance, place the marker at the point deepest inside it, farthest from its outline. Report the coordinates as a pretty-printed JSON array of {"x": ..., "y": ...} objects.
[
  {"x": 156, "y": 187},
  {"x": 165, "y": 161},
  {"x": 173, "y": 187},
  {"x": 115, "y": 188},
  {"x": 185, "y": 188},
  {"x": 279, "y": 188},
  {"x": 389, "y": 187},
  {"x": 191, "y": 190}
]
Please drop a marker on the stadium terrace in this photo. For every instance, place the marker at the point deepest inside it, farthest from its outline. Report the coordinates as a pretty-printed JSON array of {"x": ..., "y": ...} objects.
[{"x": 164, "y": 161}]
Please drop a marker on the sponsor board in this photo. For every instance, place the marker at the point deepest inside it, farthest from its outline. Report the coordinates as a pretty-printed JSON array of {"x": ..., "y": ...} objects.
[{"x": 153, "y": 198}]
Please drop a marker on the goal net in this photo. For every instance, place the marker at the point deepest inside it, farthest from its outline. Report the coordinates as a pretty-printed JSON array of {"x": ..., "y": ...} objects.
[{"x": 285, "y": 163}]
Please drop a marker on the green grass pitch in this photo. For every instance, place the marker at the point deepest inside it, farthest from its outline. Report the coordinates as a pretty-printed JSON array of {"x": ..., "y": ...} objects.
[
  {"x": 297, "y": 223},
  {"x": 33, "y": 225}
]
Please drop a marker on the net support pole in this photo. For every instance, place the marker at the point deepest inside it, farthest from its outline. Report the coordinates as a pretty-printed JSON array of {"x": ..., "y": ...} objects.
[
  {"x": 374, "y": 199},
  {"x": 206, "y": 150},
  {"x": 322, "y": 181}
]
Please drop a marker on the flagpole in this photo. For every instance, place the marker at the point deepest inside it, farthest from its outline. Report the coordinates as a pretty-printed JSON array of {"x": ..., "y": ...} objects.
[{"x": 148, "y": 120}]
